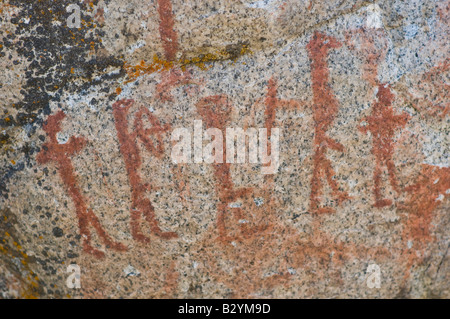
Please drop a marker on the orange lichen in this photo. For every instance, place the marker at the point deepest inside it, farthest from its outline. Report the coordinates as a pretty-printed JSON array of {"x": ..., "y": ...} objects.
[
  {"x": 161, "y": 65},
  {"x": 135, "y": 71},
  {"x": 12, "y": 249}
]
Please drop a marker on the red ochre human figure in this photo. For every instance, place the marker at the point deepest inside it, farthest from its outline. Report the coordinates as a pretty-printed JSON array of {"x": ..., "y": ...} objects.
[
  {"x": 141, "y": 206},
  {"x": 52, "y": 151},
  {"x": 215, "y": 111},
  {"x": 383, "y": 123},
  {"x": 325, "y": 108}
]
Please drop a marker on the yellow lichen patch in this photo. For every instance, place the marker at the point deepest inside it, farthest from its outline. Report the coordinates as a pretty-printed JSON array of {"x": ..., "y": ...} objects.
[
  {"x": 10, "y": 249},
  {"x": 201, "y": 61},
  {"x": 135, "y": 71},
  {"x": 29, "y": 289}
]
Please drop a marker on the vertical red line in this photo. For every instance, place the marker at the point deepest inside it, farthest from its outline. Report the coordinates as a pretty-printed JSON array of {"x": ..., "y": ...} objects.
[{"x": 167, "y": 33}]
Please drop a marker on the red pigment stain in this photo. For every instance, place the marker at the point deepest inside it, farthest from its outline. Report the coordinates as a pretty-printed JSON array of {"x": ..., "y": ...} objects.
[
  {"x": 429, "y": 191},
  {"x": 434, "y": 85},
  {"x": 371, "y": 55},
  {"x": 436, "y": 78},
  {"x": 325, "y": 108},
  {"x": 171, "y": 280},
  {"x": 443, "y": 9},
  {"x": 99, "y": 15},
  {"x": 169, "y": 38},
  {"x": 383, "y": 123},
  {"x": 167, "y": 33},
  {"x": 183, "y": 188},
  {"x": 52, "y": 151},
  {"x": 273, "y": 103},
  {"x": 215, "y": 111},
  {"x": 141, "y": 206},
  {"x": 171, "y": 79}
]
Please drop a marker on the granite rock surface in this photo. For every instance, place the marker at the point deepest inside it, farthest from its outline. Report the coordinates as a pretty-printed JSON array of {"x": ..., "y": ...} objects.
[{"x": 357, "y": 207}]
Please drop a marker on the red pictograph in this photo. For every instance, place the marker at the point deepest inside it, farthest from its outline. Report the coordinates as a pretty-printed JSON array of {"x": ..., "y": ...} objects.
[
  {"x": 60, "y": 154},
  {"x": 425, "y": 195},
  {"x": 174, "y": 76},
  {"x": 215, "y": 112},
  {"x": 167, "y": 33},
  {"x": 430, "y": 96},
  {"x": 371, "y": 46},
  {"x": 141, "y": 205},
  {"x": 171, "y": 79},
  {"x": 272, "y": 103},
  {"x": 325, "y": 108},
  {"x": 383, "y": 123}
]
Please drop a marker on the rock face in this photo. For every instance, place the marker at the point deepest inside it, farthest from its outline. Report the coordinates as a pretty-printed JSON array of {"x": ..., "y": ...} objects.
[{"x": 107, "y": 189}]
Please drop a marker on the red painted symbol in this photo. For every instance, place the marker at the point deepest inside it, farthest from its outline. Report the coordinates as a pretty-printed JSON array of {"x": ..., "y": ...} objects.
[
  {"x": 174, "y": 77},
  {"x": 215, "y": 111},
  {"x": 429, "y": 191},
  {"x": 52, "y": 151},
  {"x": 426, "y": 194},
  {"x": 167, "y": 33},
  {"x": 325, "y": 108},
  {"x": 430, "y": 96},
  {"x": 383, "y": 123},
  {"x": 372, "y": 48},
  {"x": 171, "y": 79},
  {"x": 141, "y": 206},
  {"x": 273, "y": 103}
]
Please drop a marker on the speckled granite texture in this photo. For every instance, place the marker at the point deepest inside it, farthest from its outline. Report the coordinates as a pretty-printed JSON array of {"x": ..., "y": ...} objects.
[{"x": 358, "y": 89}]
